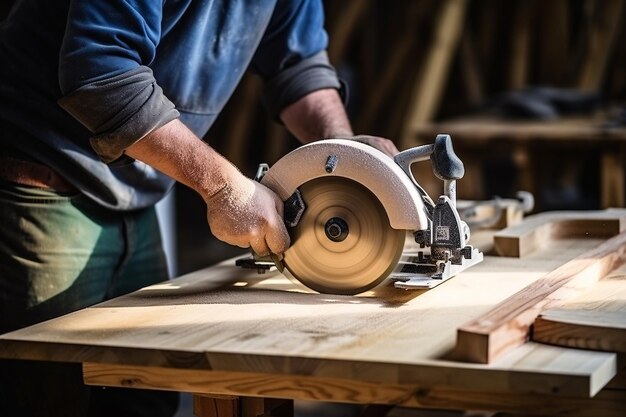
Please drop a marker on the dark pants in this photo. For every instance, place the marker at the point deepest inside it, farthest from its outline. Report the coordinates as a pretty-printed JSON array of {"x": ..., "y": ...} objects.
[{"x": 60, "y": 252}]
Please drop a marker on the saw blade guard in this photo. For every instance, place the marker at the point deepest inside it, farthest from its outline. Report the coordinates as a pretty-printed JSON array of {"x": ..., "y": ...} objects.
[{"x": 357, "y": 162}]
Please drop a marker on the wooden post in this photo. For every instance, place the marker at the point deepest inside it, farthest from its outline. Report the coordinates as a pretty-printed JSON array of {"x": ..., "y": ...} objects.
[
  {"x": 612, "y": 178},
  {"x": 216, "y": 406},
  {"x": 520, "y": 44},
  {"x": 430, "y": 86},
  {"x": 234, "y": 406},
  {"x": 602, "y": 39}
]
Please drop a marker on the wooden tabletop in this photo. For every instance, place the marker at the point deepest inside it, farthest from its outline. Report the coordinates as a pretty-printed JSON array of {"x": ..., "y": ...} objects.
[{"x": 226, "y": 324}]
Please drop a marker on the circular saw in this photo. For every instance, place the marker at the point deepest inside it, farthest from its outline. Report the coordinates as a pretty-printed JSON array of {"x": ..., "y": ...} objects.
[{"x": 349, "y": 209}]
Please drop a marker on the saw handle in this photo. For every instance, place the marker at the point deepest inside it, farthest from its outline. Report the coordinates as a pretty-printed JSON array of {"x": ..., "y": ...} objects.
[{"x": 446, "y": 164}]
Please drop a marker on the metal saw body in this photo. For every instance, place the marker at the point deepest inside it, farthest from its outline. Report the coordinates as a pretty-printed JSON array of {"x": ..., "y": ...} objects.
[{"x": 349, "y": 209}]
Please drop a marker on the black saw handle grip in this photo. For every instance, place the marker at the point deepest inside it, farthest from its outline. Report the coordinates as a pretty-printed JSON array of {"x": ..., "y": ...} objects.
[{"x": 446, "y": 164}]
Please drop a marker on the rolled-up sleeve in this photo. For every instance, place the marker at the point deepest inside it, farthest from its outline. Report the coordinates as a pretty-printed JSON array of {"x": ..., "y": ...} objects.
[
  {"x": 292, "y": 57},
  {"x": 104, "y": 75}
]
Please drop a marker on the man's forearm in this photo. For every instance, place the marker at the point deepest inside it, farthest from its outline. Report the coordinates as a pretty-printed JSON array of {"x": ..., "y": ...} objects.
[
  {"x": 318, "y": 115},
  {"x": 177, "y": 152},
  {"x": 240, "y": 211}
]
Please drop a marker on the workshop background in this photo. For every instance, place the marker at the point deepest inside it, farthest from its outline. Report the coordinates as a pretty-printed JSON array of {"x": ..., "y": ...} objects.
[{"x": 531, "y": 91}]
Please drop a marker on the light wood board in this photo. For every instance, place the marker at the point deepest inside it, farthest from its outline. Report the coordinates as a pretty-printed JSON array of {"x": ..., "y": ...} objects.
[
  {"x": 544, "y": 229},
  {"x": 594, "y": 319},
  {"x": 508, "y": 324},
  {"x": 607, "y": 403},
  {"x": 225, "y": 319}
]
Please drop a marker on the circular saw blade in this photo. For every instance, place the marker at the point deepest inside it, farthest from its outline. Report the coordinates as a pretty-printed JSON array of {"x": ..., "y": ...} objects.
[{"x": 343, "y": 244}]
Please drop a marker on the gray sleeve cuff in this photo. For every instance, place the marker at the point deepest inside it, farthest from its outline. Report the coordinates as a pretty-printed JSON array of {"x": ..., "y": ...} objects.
[
  {"x": 120, "y": 110},
  {"x": 291, "y": 84}
]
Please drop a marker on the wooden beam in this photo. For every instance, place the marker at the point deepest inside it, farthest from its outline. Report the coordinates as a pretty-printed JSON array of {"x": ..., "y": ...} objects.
[
  {"x": 540, "y": 230},
  {"x": 400, "y": 57},
  {"x": 602, "y": 39},
  {"x": 582, "y": 329},
  {"x": 554, "y": 22},
  {"x": 612, "y": 174},
  {"x": 607, "y": 403},
  {"x": 219, "y": 405},
  {"x": 429, "y": 88},
  {"x": 594, "y": 319},
  {"x": 215, "y": 406},
  {"x": 472, "y": 72},
  {"x": 508, "y": 324},
  {"x": 520, "y": 44}
]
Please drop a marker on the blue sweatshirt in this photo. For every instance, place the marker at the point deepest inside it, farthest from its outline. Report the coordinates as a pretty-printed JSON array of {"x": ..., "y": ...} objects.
[{"x": 82, "y": 80}]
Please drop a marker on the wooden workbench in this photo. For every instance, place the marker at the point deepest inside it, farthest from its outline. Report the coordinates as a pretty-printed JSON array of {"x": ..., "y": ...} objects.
[{"x": 230, "y": 332}]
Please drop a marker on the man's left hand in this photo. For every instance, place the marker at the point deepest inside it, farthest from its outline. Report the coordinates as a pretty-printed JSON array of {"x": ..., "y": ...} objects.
[{"x": 384, "y": 145}]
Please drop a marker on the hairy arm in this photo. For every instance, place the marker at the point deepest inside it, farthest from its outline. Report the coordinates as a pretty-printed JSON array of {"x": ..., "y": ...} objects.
[
  {"x": 318, "y": 115},
  {"x": 321, "y": 115},
  {"x": 240, "y": 211}
]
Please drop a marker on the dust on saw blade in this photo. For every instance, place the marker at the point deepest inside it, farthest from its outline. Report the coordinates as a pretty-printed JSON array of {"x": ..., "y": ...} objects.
[{"x": 343, "y": 244}]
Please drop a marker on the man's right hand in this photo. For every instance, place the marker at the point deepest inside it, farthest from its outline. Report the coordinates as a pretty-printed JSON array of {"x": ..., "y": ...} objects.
[
  {"x": 248, "y": 214},
  {"x": 240, "y": 211}
]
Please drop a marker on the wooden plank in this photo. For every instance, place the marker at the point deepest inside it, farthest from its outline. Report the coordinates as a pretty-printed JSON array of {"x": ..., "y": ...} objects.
[
  {"x": 535, "y": 368},
  {"x": 472, "y": 74},
  {"x": 507, "y": 325},
  {"x": 520, "y": 44},
  {"x": 227, "y": 319},
  {"x": 582, "y": 329},
  {"x": 603, "y": 36},
  {"x": 525, "y": 164},
  {"x": 594, "y": 319},
  {"x": 267, "y": 327},
  {"x": 429, "y": 88},
  {"x": 605, "y": 403},
  {"x": 477, "y": 131},
  {"x": 612, "y": 178},
  {"x": 546, "y": 229},
  {"x": 401, "y": 57},
  {"x": 220, "y": 405},
  {"x": 251, "y": 407},
  {"x": 224, "y": 406},
  {"x": 588, "y": 133}
]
